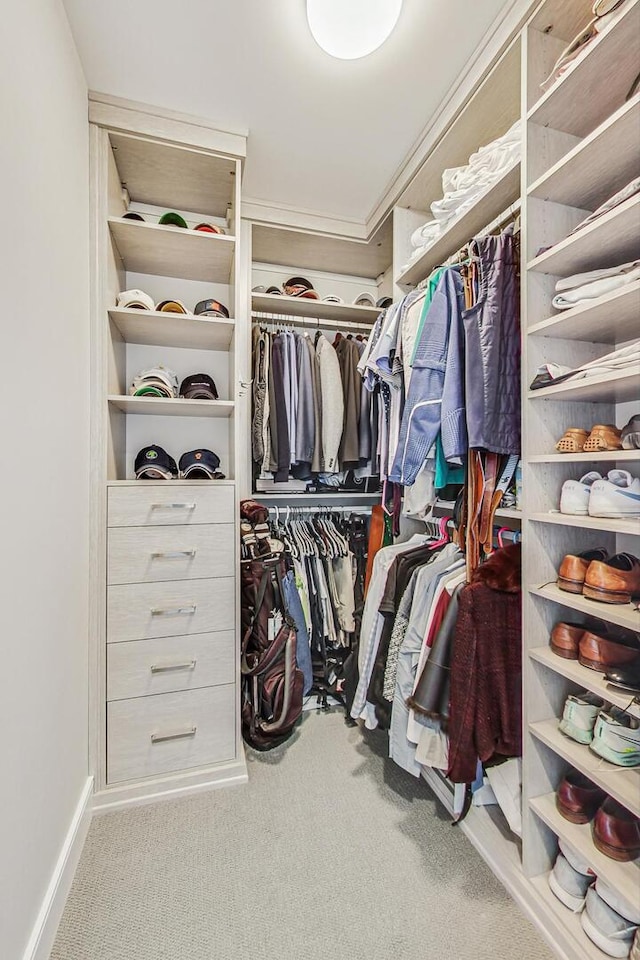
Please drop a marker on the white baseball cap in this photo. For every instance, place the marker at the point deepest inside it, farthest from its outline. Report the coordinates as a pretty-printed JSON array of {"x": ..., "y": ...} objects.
[
  {"x": 365, "y": 300},
  {"x": 137, "y": 299}
]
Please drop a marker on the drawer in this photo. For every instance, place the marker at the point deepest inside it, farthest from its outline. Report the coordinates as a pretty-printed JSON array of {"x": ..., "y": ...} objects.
[
  {"x": 169, "y": 732},
  {"x": 137, "y": 611},
  {"x": 138, "y": 554},
  {"x": 143, "y": 667},
  {"x": 160, "y": 504}
]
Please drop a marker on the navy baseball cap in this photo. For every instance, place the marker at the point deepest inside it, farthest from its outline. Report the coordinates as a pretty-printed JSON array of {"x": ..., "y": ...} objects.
[
  {"x": 200, "y": 465},
  {"x": 199, "y": 386},
  {"x": 154, "y": 463},
  {"x": 211, "y": 308}
]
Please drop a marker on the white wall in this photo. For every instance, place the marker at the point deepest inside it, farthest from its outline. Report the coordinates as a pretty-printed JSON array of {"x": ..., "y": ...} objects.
[{"x": 44, "y": 434}]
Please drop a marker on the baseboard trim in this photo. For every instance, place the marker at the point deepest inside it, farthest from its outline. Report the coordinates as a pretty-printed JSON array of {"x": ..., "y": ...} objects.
[
  {"x": 170, "y": 788},
  {"x": 44, "y": 930}
]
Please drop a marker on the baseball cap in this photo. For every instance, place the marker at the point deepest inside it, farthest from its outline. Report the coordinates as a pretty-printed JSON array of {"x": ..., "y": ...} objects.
[
  {"x": 154, "y": 463},
  {"x": 383, "y": 303},
  {"x": 133, "y": 216},
  {"x": 365, "y": 300},
  {"x": 198, "y": 386},
  {"x": 172, "y": 306},
  {"x": 200, "y": 465},
  {"x": 173, "y": 219},
  {"x": 300, "y": 287},
  {"x": 211, "y": 308},
  {"x": 263, "y": 289},
  {"x": 332, "y": 299},
  {"x": 155, "y": 382},
  {"x": 209, "y": 228},
  {"x": 135, "y": 299}
]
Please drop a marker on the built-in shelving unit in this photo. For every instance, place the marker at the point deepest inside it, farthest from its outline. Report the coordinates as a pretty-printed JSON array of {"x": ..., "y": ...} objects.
[
  {"x": 178, "y": 407},
  {"x": 273, "y": 304},
  {"x": 579, "y": 151}
]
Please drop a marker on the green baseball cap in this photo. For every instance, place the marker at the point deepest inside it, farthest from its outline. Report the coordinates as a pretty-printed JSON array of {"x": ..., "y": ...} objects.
[{"x": 173, "y": 219}]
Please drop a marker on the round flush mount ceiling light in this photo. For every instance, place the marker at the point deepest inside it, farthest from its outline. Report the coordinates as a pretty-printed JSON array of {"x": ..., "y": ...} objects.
[{"x": 350, "y": 29}]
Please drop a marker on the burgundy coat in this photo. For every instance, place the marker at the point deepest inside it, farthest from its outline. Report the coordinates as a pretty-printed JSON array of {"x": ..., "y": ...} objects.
[{"x": 486, "y": 668}]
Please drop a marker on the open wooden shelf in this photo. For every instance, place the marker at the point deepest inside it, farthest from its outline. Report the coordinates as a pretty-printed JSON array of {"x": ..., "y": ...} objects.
[
  {"x": 315, "y": 309},
  {"x": 611, "y": 239},
  {"x": 169, "y": 176},
  {"x": 161, "y": 407},
  {"x": 611, "y": 456},
  {"x": 587, "y": 679},
  {"x": 609, "y": 524},
  {"x": 623, "y": 877},
  {"x": 598, "y": 166},
  {"x": 584, "y": 948},
  {"x": 173, "y": 252},
  {"x": 622, "y": 614},
  {"x": 173, "y": 329},
  {"x": 490, "y": 205},
  {"x": 598, "y": 81},
  {"x": 613, "y": 318},
  {"x": 613, "y": 388},
  {"x": 621, "y": 783}
]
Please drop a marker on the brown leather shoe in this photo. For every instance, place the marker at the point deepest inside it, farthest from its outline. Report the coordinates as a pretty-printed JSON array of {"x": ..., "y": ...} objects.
[
  {"x": 572, "y": 440},
  {"x": 598, "y": 653},
  {"x": 616, "y": 831},
  {"x": 577, "y": 799},
  {"x": 615, "y": 580},
  {"x": 573, "y": 569},
  {"x": 565, "y": 639},
  {"x": 603, "y": 436}
]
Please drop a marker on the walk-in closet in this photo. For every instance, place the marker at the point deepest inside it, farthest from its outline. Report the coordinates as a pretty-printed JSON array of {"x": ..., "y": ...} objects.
[{"x": 322, "y": 513}]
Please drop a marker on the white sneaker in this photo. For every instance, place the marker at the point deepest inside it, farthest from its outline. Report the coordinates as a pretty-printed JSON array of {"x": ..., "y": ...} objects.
[
  {"x": 568, "y": 884},
  {"x": 616, "y": 738},
  {"x": 617, "y": 496},
  {"x": 612, "y": 933},
  {"x": 576, "y": 494},
  {"x": 579, "y": 716}
]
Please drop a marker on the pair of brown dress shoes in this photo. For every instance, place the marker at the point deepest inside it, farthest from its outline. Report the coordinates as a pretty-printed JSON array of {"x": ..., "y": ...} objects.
[
  {"x": 615, "y": 830},
  {"x": 598, "y": 576},
  {"x": 575, "y": 641}
]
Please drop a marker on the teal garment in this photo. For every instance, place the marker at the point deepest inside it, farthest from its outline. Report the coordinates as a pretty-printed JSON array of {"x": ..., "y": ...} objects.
[
  {"x": 445, "y": 473},
  {"x": 430, "y": 289}
]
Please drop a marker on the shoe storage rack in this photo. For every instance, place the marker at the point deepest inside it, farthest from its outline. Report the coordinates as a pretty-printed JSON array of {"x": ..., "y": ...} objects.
[
  {"x": 165, "y": 690},
  {"x": 580, "y": 147}
]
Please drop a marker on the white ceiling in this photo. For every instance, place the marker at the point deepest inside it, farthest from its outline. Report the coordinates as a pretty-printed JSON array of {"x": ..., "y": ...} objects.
[{"x": 325, "y": 135}]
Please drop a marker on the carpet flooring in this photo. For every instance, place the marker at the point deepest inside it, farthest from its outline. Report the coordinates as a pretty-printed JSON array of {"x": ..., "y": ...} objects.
[{"x": 330, "y": 853}]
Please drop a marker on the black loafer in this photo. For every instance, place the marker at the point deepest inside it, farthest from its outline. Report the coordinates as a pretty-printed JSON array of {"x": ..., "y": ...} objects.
[{"x": 627, "y": 677}]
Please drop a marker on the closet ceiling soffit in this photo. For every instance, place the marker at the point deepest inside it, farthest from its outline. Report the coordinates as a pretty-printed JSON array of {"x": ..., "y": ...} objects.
[{"x": 313, "y": 120}]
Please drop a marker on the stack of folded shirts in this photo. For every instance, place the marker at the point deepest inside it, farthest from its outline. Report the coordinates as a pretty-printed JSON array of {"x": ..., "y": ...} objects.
[
  {"x": 582, "y": 287},
  {"x": 155, "y": 382},
  {"x": 618, "y": 361}
]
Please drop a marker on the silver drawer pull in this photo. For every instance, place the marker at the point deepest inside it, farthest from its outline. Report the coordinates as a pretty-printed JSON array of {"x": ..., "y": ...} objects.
[
  {"x": 173, "y": 506},
  {"x": 180, "y": 665},
  {"x": 173, "y": 554},
  {"x": 177, "y": 735},
  {"x": 173, "y": 611}
]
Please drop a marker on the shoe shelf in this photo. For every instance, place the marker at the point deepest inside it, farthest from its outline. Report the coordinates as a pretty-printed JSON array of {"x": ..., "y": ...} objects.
[
  {"x": 172, "y": 252},
  {"x": 612, "y": 388},
  {"x": 172, "y": 329},
  {"x": 488, "y": 206},
  {"x": 609, "y": 240},
  {"x": 598, "y": 81},
  {"x": 587, "y": 679},
  {"x": 610, "y": 456},
  {"x": 609, "y": 319},
  {"x": 609, "y": 524},
  {"x": 623, "y": 877},
  {"x": 179, "y": 407},
  {"x": 598, "y": 166},
  {"x": 622, "y": 614},
  {"x": 621, "y": 783},
  {"x": 584, "y": 948},
  {"x": 346, "y": 313}
]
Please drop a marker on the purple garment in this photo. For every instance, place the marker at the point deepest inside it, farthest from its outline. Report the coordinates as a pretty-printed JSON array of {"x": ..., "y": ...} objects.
[{"x": 492, "y": 346}]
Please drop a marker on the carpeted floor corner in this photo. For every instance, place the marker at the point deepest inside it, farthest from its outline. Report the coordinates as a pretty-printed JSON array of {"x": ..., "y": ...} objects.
[{"x": 330, "y": 853}]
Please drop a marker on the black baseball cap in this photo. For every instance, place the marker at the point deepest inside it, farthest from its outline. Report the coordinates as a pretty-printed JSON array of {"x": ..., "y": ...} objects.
[
  {"x": 199, "y": 386},
  {"x": 154, "y": 463},
  {"x": 211, "y": 308},
  {"x": 383, "y": 303},
  {"x": 133, "y": 216},
  {"x": 200, "y": 465}
]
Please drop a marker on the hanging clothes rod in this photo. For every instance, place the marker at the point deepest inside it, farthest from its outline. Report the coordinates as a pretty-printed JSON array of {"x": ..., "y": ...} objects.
[
  {"x": 288, "y": 320},
  {"x": 316, "y": 508}
]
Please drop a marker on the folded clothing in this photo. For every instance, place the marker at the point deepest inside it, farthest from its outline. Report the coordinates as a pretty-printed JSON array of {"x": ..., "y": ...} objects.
[
  {"x": 625, "y": 358},
  {"x": 589, "y": 286},
  {"x": 630, "y": 190}
]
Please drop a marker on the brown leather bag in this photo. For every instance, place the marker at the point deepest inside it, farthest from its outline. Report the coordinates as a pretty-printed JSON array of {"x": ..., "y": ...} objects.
[{"x": 272, "y": 685}]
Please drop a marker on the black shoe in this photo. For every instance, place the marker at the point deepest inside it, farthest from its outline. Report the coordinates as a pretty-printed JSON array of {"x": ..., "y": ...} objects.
[{"x": 627, "y": 677}]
